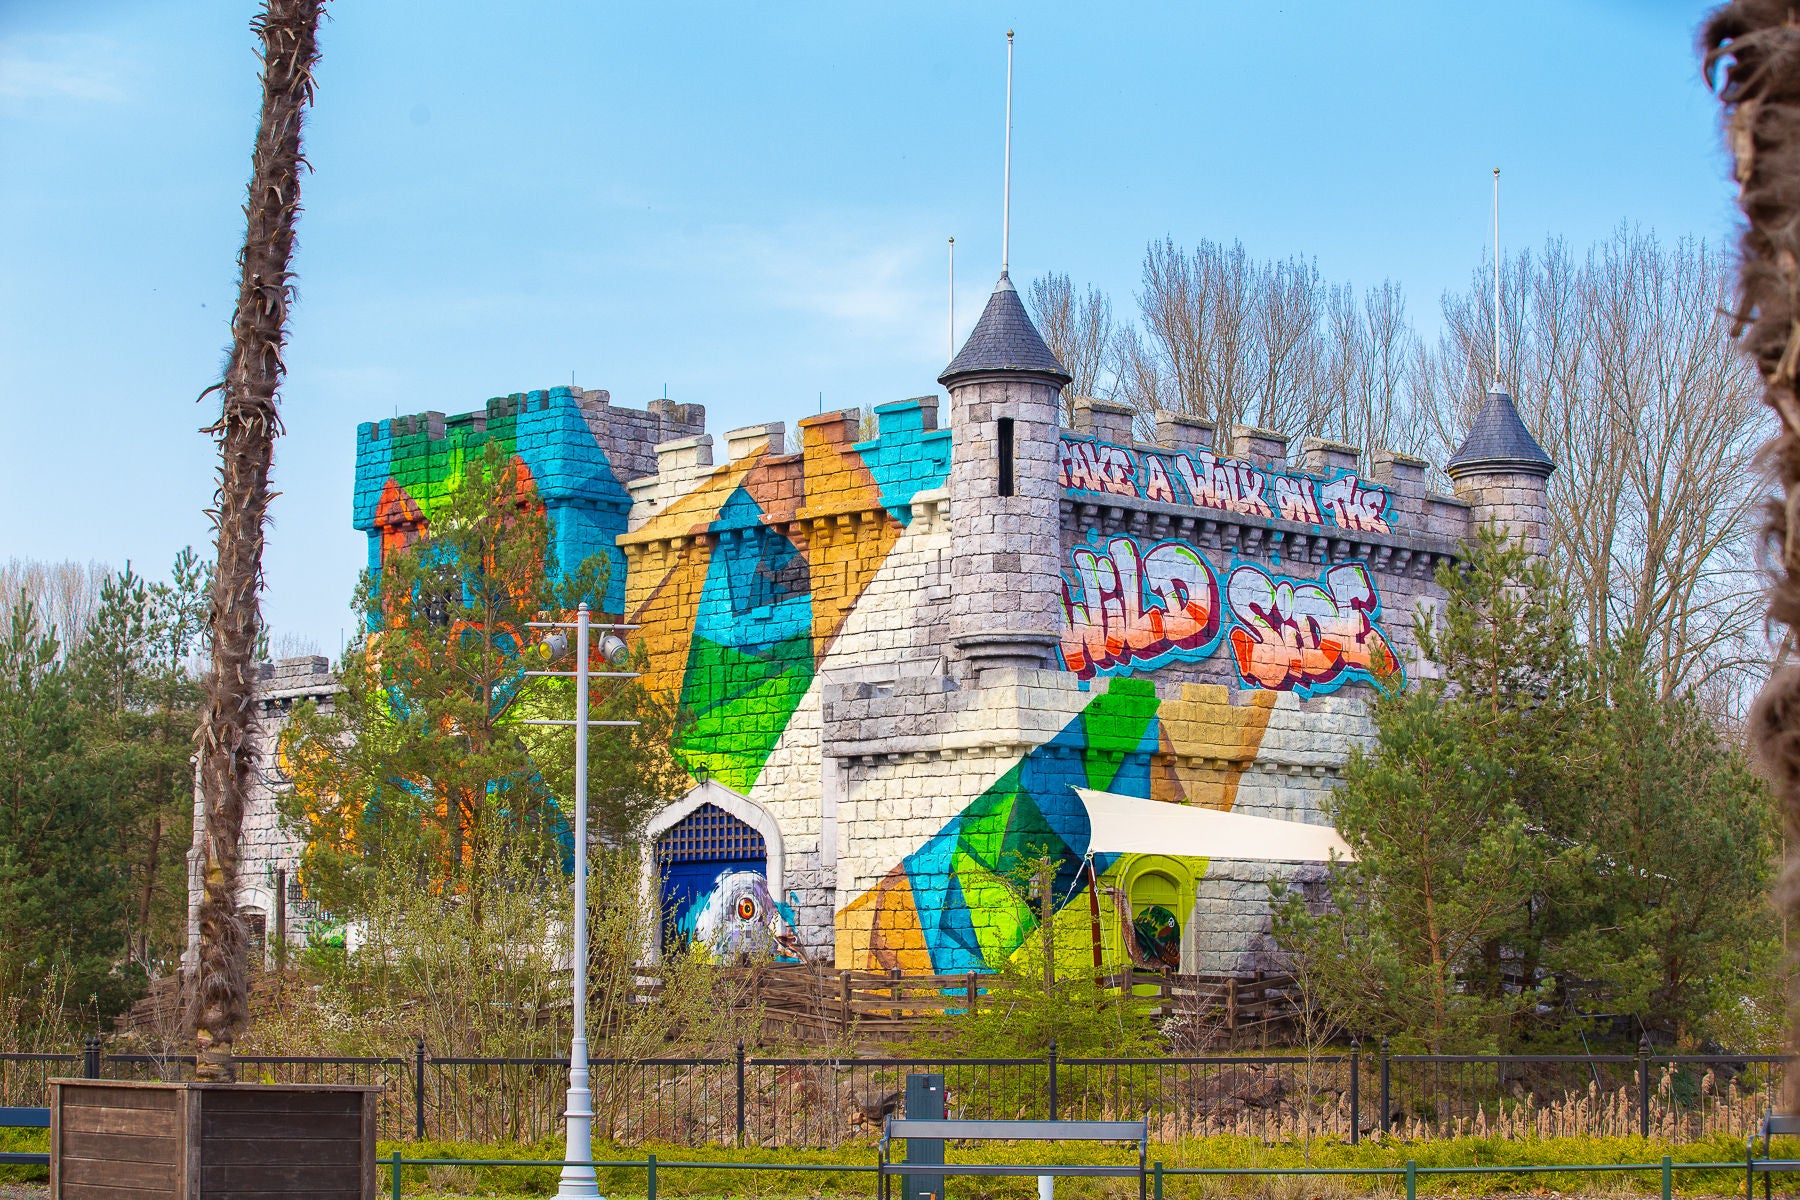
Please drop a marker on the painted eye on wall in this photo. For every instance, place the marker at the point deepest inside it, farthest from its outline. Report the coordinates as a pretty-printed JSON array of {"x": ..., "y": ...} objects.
[{"x": 746, "y": 908}]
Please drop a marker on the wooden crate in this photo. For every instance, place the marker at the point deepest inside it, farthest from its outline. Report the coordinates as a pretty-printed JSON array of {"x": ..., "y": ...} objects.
[{"x": 116, "y": 1140}]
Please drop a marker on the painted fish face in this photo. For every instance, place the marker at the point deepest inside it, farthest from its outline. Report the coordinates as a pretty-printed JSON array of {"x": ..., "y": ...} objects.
[{"x": 741, "y": 917}]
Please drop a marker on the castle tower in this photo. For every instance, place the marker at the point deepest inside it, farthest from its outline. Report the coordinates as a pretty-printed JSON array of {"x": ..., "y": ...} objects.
[
  {"x": 1005, "y": 387},
  {"x": 1503, "y": 473}
]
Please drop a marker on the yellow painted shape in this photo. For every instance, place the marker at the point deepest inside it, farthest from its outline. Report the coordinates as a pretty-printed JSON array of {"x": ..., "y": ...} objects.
[
  {"x": 664, "y": 598},
  {"x": 848, "y": 532},
  {"x": 1207, "y": 744},
  {"x": 880, "y": 930}
]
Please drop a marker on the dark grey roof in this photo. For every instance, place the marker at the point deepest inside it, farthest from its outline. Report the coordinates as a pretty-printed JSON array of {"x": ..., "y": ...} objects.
[
  {"x": 1004, "y": 340},
  {"x": 1499, "y": 440}
]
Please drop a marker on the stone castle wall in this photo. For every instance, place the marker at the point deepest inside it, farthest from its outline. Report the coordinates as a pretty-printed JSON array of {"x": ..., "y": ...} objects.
[{"x": 1218, "y": 613}]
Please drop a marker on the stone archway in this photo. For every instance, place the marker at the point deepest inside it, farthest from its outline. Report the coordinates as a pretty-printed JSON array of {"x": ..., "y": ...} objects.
[{"x": 715, "y": 873}]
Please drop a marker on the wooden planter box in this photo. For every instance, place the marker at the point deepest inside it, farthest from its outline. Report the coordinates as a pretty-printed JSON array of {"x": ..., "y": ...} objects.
[{"x": 114, "y": 1140}]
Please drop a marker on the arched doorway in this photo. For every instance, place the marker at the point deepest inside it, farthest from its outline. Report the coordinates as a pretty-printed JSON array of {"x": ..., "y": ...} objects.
[
  {"x": 713, "y": 887},
  {"x": 1155, "y": 926}
]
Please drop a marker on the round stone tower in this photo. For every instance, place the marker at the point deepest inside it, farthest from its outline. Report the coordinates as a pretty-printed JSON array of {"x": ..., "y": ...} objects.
[
  {"x": 1503, "y": 473},
  {"x": 1005, "y": 387}
]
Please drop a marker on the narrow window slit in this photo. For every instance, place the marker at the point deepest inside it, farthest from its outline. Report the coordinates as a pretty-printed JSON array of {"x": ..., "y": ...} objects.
[{"x": 1005, "y": 439}]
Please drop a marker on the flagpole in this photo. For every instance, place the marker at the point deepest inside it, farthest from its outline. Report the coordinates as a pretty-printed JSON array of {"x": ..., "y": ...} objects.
[
  {"x": 1006, "y": 190},
  {"x": 1496, "y": 278}
]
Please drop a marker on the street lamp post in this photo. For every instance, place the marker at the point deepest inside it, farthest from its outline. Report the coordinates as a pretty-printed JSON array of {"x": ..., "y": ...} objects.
[{"x": 578, "y": 1149}]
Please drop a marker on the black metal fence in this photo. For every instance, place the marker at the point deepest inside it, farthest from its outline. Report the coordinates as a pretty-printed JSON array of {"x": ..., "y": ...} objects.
[{"x": 773, "y": 1102}]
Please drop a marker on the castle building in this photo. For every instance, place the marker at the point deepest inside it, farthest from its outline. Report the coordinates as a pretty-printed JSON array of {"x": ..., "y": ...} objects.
[{"x": 915, "y": 660}]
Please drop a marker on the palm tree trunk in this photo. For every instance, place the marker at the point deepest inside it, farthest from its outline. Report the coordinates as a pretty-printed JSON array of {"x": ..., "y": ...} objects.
[
  {"x": 1752, "y": 58},
  {"x": 246, "y": 431}
]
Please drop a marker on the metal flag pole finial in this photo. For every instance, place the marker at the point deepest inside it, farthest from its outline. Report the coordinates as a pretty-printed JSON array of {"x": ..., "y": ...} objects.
[
  {"x": 1006, "y": 188},
  {"x": 952, "y": 297}
]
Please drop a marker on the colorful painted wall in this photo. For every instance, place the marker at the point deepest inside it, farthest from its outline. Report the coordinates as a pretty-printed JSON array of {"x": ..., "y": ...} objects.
[{"x": 1226, "y": 615}]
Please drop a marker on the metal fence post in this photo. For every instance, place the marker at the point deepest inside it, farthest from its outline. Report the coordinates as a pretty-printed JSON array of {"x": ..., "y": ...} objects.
[
  {"x": 740, "y": 1093},
  {"x": 1355, "y": 1092},
  {"x": 1668, "y": 1180},
  {"x": 90, "y": 1057},
  {"x": 1387, "y": 1104},
  {"x": 394, "y": 1175},
  {"x": 650, "y": 1178},
  {"x": 1644, "y": 1087},
  {"x": 1051, "y": 1057},
  {"x": 1159, "y": 1186},
  {"x": 1412, "y": 1180},
  {"x": 419, "y": 1089}
]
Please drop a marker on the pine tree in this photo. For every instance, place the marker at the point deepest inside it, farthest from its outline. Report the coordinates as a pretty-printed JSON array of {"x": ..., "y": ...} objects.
[
  {"x": 1444, "y": 817},
  {"x": 1676, "y": 926},
  {"x": 140, "y": 699},
  {"x": 61, "y": 893},
  {"x": 425, "y": 764}
]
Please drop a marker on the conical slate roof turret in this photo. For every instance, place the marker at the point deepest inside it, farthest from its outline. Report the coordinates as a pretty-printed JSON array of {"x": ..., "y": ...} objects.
[
  {"x": 1004, "y": 340},
  {"x": 1498, "y": 440}
]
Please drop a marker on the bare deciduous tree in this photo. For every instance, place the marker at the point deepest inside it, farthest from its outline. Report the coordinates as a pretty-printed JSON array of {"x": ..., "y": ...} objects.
[
  {"x": 1287, "y": 309},
  {"x": 66, "y": 593},
  {"x": 1237, "y": 340},
  {"x": 1623, "y": 365},
  {"x": 1372, "y": 371},
  {"x": 1079, "y": 331},
  {"x": 1199, "y": 313}
]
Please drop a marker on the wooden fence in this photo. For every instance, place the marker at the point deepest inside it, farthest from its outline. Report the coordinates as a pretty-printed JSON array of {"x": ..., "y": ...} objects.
[
  {"x": 813, "y": 1005},
  {"x": 810, "y": 1004}
]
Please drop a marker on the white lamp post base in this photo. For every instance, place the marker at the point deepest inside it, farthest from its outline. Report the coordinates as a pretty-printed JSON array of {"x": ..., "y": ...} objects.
[{"x": 579, "y": 1146}]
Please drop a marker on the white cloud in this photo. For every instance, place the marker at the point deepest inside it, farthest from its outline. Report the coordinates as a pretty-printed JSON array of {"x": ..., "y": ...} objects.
[
  {"x": 860, "y": 278},
  {"x": 60, "y": 68}
]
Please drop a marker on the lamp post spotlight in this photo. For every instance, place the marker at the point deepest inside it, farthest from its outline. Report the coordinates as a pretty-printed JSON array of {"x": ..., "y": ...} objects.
[{"x": 614, "y": 650}]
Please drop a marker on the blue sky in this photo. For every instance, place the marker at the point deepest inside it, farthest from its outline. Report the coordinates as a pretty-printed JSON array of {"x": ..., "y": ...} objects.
[{"x": 745, "y": 204}]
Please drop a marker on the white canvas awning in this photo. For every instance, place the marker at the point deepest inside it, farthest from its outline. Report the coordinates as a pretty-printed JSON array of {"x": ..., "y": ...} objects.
[{"x": 1130, "y": 825}]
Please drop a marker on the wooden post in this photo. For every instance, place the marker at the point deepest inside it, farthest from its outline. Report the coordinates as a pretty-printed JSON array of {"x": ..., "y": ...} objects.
[
  {"x": 1231, "y": 1004},
  {"x": 281, "y": 918},
  {"x": 973, "y": 991},
  {"x": 844, "y": 982}
]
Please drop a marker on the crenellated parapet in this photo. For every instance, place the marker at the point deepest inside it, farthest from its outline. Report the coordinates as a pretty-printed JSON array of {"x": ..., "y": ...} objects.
[{"x": 578, "y": 450}]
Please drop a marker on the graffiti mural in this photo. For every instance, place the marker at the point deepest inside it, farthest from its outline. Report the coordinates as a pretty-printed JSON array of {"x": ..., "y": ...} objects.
[
  {"x": 408, "y": 467},
  {"x": 731, "y": 914},
  {"x": 746, "y": 578},
  {"x": 1202, "y": 478},
  {"x": 1131, "y": 608},
  {"x": 1308, "y": 637},
  {"x": 713, "y": 889},
  {"x": 770, "y": 579},
  {"x": 959, "y": 903}
]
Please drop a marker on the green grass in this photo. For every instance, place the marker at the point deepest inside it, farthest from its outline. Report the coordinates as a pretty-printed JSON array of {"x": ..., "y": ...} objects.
[
  {"x": 1196, "y": 1152},
  {"x": 19, "y": 1140},
  {"x": 615, "y": 1182}
]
